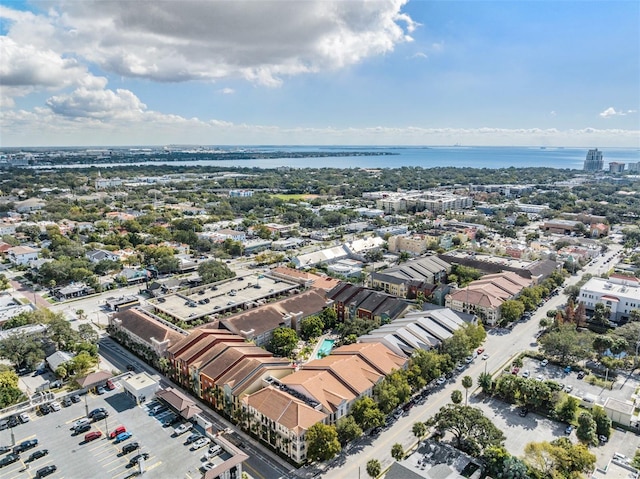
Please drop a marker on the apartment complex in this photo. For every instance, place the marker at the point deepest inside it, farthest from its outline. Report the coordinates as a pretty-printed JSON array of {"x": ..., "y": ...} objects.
[
  {"x": 619, "y": 293},
  {"x": 594, "y": 161},
  {"x": 485, "y": 296},
  {"x": 399, "y": 279}
]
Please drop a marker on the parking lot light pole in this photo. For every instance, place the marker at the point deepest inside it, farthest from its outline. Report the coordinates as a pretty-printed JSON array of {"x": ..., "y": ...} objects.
[
  {"x": 13, "y": 437},
  {"x": 106, "y": 426},
  {"x": 86, "y": 406}
]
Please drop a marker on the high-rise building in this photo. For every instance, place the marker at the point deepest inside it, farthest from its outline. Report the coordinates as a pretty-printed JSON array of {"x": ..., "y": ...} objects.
[
  {"x": 594, "y": 161},
  {"x": 616, "y": 167}
]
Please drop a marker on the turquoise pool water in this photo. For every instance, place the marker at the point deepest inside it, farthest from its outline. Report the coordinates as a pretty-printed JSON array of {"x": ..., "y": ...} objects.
[{"x": 325, "y": 348}]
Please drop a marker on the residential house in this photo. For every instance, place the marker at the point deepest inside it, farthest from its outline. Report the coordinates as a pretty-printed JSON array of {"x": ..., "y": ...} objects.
[
  {"x": 351, "y": 301},
  {"x": 22, "y": 255},
  {"x": 97, "y": 255}
]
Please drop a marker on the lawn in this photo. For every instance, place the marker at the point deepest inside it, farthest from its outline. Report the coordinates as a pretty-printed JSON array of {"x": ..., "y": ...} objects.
[{"x": 283, "y": 196}]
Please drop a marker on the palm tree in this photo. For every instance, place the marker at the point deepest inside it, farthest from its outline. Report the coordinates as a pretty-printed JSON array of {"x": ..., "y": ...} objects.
[
  {"x": 419, "y": 429},
  {"x": 467, "y": 382},
  {"x": 397, "y": 451}
]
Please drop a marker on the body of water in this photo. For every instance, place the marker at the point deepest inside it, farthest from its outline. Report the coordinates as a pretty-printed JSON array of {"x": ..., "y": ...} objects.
[
  {"x": 425, "y": 157},
  {"x": 325, "y": 348}
]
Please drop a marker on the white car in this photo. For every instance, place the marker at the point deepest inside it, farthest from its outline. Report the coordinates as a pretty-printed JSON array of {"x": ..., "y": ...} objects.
[
  {"x": 540, "y": 377},
  {"x": 24, "y": 417},
  {"x": 182, "y": 428},
  {"x": 485, "y": 356},
  {"x": 213, "y": 451},
  {"x": 55, "y": 405},
  {"x": 526, "y": 373},
  {"x": 441, "y": 380},
  {"x": 568, "y": 388},
  {"x": 544, "y": 362},
  {"x": 200, "y": 443}
]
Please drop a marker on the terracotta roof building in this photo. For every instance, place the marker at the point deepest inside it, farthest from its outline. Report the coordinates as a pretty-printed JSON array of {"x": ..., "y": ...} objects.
[
  {"x": 135, "y": 325},
  {"x": 281, "y": 420},
  {"x": 258, "y": 324},
  {"x": 485, "y": 296}
]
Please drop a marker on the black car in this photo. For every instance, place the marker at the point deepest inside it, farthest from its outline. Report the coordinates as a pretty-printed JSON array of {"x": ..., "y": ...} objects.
[
  {"x": 137, "y": 458},
  {"x": 25, "y": 445},
  {"x": 100, "y": 416},
  {"x": 171, "y": 420},
  {"x": 132, "y": 446},
  {"x": 45, "y": 409},
  {"x": 46, "y": 470},
  {"x": 38, "y": 454},
  {"x": 523, "y": 412},
  {"x": 193, "y": 438},
  {"x": 97, "y": 411},
  {"x": 75, "y": 398},
  {"x": 12, "y": 421},
  {"x": 10, "y": 459},
  {"x": 66, "y": 402},
  {"x": 581, "y": 374},
  {"x": 131, "y": 367},
  {"x": 82, "y": 428},
  {"x": 4, "y": 449}
]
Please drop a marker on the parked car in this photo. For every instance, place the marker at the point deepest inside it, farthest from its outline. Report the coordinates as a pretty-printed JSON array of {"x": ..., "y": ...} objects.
[
  {"x": 66, "y": 402},
  {"x": 101, "y": 390},
  {"x": 540, "y": 377},
  {"x": 82, "y": 428},
  {"x": 171, "y": 420},
  {"x": 441, "y": 380},
  {"x": 131, "y": 367},
  {"x": 25, "y": 446},
  {"x": 12, "y": 421},
  {"x": 100, "y": 416},
  {"x": 581, "y": 374},
  {"x": 55, "y": 406},
  {"x": 137, "y": 458},
  {"x": 75, "y": 398},
  {"x": 46, "y": 470},
  {"x": 193, "y": 438},
  {"x": 480, "y": 350},
  {"x": 44, "y": 409},
  {"x": 523, "y": 412},
  {"x": 544, "y": 362},
  {"x": 37, "y": 454},
  {"x": 109, "y": 385},
  {"x": 93, "y": 435},
  {"x": 96, "y": 411},
  {"x": 10, "y": 459},
  {"x": 4, "y": 449},
  {"x": 568, "y": 429},
  {"x": 132, "y": 446},
  {"x": 123, "y": 436},
  {"x": 602, "y": 439},
  {"x": 182, "y": 428},
  {"x": 213, "y": 451},
  {"x": 200, "y": 443},
  {"x": 485, "y": 356},
  {"x": 116, "y": 431},
  {"x": 81, "y": 422},
  {"x": 568, "y": 388},
  {"x": 155, "y": 410},
  {"x": 526, "y": 373},
  {"x": 24, "y": 417},
  {"x": 567, "y": 369}
]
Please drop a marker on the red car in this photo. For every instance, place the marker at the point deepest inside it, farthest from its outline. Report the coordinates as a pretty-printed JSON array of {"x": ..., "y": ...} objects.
[
  {"x": 480, "y": 350},
  {"x": 116, "y": 431},
  {"x": 92, "y": 436},
  {"x": 109, "y": 385}
]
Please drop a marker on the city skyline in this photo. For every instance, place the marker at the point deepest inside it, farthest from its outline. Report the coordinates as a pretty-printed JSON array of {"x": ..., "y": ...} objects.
[{"x": 320, "y": 73}]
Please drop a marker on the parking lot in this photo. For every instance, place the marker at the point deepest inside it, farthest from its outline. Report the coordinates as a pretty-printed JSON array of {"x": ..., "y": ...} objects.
[
  {"x": 623, "y": 387},
  {"x": 75, "y": 458},
  {"x": 520, "y": 431}
]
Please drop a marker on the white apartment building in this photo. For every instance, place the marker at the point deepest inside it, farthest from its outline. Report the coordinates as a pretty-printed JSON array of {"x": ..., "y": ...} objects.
[{"x": 621, "y": 294}]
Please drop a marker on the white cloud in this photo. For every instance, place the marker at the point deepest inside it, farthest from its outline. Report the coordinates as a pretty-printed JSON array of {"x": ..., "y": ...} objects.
[
  {"x": 227, "y": 91},
  {"x": 420, "y": 55},
  {"x": 98, "y": 104},
  {"x": 262, "y": 41},
  {"x": 553, "y": 114},
  {"x": 609, "y": 112}
]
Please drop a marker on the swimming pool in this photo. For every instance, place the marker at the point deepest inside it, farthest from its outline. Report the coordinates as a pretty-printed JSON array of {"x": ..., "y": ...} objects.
[{"x": 325, "y": 348}]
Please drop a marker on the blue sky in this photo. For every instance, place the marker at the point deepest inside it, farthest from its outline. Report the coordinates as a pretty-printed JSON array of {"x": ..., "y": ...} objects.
[{"x": 320, "y": 72}]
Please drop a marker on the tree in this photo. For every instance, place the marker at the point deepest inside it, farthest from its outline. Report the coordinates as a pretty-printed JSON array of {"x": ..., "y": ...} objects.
[
  {"x": 419, "y": 429},
  {"x": 456, "y": 396},
  {"x": 373, "y": 468},
  {"x": 471, "y": 429},
  {"x": 397, "y": 451},
  {"x": 603, "y": 423},
  {"x": 81, "y": 363},
  {"x": 88, "y": 334},
  {"x": 22, "y": 350},
  {"x": 586, "y": 430},
  {"x": 502, "y": 465},
  {"x": 366, "y": 413},
  {"x": 329, "y": 318},
  {"x": 311, "y": 327},
  {"x": 457, "y": 346},
  {"x": 559, "y": 458},
  {"x": 511, "y": 310},
  {"x": 212, "y": 271},
  {"x": 602, "y": 342},
  {"x": 485, "y": 381},
  {"x": 565, "y": 343},
  {"x": 322, "y": 442},
  {"x": 467, "y": 382},
  {"x": 283, "y": 342},
  {"x": 566, "y": 410},
  {"x": 347, "y": 429},
  {"x": 4, "y": 282},
  {"x": 61, "y": 333}
]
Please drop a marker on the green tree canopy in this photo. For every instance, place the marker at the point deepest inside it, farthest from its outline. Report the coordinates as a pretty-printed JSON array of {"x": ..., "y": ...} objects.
[
  {"x": 283, "y": 342},
  {"x": 311, "y": 327},
  {"x": 511, "y": 310},
  {"x": 347, "y": 429},
  {"x": 212, "y": 271},
  {"x": 373, "y": 468},
  {"x": 366, "y": 413},
  {"x": 322, "y": 442}
]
